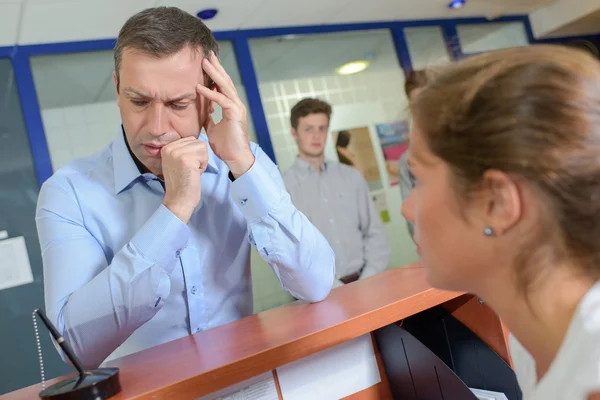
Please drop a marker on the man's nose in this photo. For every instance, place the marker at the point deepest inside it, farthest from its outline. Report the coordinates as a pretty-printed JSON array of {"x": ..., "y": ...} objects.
[{"x": 158, "y": 119}]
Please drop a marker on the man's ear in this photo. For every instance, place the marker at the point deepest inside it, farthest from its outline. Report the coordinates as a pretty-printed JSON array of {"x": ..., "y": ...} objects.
[
  {"x": 502, "y": 201},
  {"x": 294, "y": 133},
  {"x": 116, "y": 82}
]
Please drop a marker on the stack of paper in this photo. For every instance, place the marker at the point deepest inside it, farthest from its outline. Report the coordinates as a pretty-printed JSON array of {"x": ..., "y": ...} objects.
[
  {"x": 334, "y": 373},
  {"x": 261, "y": 387},
  {"x": 488, "y": 395}
]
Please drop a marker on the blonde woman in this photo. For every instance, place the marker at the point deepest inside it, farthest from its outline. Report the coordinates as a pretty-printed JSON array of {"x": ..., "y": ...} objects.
[{"x": 505, "y": 150}]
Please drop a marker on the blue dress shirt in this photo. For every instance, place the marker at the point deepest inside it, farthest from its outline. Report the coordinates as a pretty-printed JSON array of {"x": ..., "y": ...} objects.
[{"x": 122, "y": 273}]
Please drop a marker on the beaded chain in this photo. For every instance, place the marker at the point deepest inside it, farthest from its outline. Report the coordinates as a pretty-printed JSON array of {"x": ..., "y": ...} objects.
[{"x": 39, "y": 349}]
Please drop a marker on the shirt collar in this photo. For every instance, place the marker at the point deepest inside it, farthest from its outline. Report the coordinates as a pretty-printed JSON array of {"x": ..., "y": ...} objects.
[
  {"x": 127, "y": 168},
  {"x": 306, "y": 167}
]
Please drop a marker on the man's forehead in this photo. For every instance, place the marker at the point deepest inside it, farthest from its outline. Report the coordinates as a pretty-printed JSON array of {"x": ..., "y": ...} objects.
[{"x": 187, "y": 53}]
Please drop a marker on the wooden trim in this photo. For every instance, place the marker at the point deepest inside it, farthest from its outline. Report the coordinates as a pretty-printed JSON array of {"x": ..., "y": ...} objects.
[{"x": 277, "y": 385}]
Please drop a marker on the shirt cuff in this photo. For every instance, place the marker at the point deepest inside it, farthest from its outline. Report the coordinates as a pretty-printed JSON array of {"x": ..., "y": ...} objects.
[
  {"x": 162, "y": 238},
  {"x": 256, "y": 192}
]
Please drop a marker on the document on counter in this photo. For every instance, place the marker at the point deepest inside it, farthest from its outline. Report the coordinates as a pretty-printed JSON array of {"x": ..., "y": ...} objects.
[
  {"x": 333, "y": 373},
  {"x": 261, "y": 387},
  {"x": 15, "y": 268},
  {"x": 488, "y": 395}
]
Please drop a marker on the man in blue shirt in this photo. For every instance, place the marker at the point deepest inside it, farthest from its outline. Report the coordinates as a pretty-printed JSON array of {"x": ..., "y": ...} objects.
[{"x": 149, "y": 240}]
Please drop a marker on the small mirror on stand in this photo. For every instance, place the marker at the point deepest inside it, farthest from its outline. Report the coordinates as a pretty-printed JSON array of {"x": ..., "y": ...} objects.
[{"x": 97, "y": 384}]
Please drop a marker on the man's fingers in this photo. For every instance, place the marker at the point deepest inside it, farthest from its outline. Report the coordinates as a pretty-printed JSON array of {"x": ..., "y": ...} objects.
[
  {"x": 209, "y": 124},
  {"x": 186, "y": 146},
  {"x": 219, "y": 98},
  {"x": 224, "y": 83},
  {"x": 214, "y": 60},
  {"x": 176, "y": 144}
]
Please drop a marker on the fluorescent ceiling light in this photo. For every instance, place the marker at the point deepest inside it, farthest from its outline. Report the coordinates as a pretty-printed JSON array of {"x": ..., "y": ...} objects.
[{"x": 353, "y": 67}]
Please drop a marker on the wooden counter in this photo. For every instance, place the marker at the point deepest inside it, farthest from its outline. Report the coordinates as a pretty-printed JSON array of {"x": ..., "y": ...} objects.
[{"x": 207, "y": 361}]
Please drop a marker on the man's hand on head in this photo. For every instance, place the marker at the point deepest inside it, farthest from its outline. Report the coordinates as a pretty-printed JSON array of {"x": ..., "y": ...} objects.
[{"x": 229, "y": 138}]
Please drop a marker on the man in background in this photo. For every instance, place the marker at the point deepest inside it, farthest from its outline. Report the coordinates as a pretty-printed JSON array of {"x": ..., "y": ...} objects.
[
  {"x": 335, "y": 197},
  {"x": 414, "y": 83}
]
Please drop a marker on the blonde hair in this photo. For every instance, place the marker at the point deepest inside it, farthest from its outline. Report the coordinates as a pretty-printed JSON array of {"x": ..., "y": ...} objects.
[{"x": 532, "y": 112}]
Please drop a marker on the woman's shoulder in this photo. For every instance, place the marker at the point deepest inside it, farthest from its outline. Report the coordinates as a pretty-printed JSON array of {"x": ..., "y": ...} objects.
[{"x": 576, "y": 368}]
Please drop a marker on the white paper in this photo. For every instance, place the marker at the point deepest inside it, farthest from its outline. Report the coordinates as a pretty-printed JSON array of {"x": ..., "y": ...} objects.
[
  {"x": 3, "y": 235},
  {"x": 15, "y": 269},
  {"x": 261, "y": 387},
  {"x": 333, "y": 373},
  {"x": 488, "y": 395}
]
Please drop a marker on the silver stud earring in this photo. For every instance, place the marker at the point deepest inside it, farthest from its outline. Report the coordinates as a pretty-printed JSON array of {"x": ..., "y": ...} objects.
[{"x": 488, "y": 231}]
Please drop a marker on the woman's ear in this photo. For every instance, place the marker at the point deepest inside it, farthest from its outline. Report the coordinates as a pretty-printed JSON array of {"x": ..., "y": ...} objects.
[{"x": 502, "y": 201}]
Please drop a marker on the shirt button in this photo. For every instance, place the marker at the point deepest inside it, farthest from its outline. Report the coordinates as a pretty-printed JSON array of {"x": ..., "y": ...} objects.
[
  {"x": 331, "y": 220},
  {"x": 193, "y": 291},
  {"x": 197, "y": 330},
  {"x": 325, "y": 200}
]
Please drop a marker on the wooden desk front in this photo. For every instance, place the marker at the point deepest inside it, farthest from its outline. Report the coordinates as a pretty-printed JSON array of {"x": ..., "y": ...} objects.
[{"x": 205, "y": 362}]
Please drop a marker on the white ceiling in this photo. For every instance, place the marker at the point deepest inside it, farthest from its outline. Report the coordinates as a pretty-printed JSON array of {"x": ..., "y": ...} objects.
[{"x": 45, "y": 21}]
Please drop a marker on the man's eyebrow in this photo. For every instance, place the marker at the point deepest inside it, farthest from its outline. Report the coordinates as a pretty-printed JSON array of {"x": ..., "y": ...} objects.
[
  {"x": 184, "y": 96},
  {"x": 130, "y": 92}
]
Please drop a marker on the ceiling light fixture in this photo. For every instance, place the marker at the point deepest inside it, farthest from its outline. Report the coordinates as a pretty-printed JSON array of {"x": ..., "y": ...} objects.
[
  {"x": 290, "y": 37},
  {"x": 353, "y": 67},
  {"x": 454, "y": 4},
  {"x": 208, "y": 13}
]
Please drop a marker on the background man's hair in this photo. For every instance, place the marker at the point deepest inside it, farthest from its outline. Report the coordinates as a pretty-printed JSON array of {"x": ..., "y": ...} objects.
[{"x": 309, "y": 106}]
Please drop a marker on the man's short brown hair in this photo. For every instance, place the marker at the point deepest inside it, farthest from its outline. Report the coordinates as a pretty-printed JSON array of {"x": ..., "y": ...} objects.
[
  {"x": 162, "y": 31},
  {"x": 309, "y": 106}
]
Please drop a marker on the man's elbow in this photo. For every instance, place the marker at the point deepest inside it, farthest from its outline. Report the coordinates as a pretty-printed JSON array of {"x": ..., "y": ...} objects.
[
  {"x": 319, "y": 294},
  {"x": 322, "y": 288}
]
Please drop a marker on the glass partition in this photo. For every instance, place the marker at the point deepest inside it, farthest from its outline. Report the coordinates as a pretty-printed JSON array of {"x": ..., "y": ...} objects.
[
  {"x": 477, "y": 38},
  {"x": 21, "y": 279},
  {"x": 290, "y": 68},
  {"x": 427, "y": 46}
]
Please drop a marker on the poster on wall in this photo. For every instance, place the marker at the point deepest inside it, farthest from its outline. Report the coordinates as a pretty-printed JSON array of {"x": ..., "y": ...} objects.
[
  {"x": 354, "y": 148},
  {"x": 380, "y": 203},
  {"x": 393, "y": 139}
]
